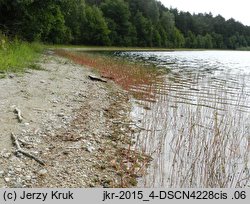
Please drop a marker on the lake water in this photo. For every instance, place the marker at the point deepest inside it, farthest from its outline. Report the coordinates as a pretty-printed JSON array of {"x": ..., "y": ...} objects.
[{"x": 197, "y": 128}]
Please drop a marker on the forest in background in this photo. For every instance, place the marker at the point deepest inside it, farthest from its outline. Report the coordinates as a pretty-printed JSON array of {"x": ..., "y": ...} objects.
[{"x": 142, "y": 23}]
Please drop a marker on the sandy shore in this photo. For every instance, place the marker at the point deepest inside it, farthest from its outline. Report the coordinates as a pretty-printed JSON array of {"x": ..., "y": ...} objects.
[{"x": 68, "y": 122}]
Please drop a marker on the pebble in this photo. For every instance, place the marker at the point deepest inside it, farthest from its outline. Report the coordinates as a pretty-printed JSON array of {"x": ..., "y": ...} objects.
[
  {"x": 11, "y": 76},
  {"x": 18, "y": 169},
  {"x": 28, "y": 178},
  {"x": 66, "y": 152},
  {"x": 55, "y": 101},
  {"x": 60, "y": 114},
  {"x": 90, "y": 149},
  {"x": 18, "y": 183},
  {"x": 25, "y": 170},
  {"x": 24, "y": 131},
  {"x": 42, "y": 172}
]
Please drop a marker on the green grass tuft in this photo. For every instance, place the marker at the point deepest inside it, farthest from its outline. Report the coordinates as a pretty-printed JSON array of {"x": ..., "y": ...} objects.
[{"x": 16, "y": 56}]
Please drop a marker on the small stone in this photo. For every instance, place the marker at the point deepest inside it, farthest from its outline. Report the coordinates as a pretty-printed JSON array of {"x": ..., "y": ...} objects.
[
  {"x": 50, "y": 52},
  {"x": 24, "y": 131},
  {"x": 42, "y": 172},
  {"x": 7, "y": 180},
  {"x": 28, "y": 178},
  {"x": 60, "y": 114},
  {"x": 19, "y": 180},
  {"x": 42, "y": 81},
  {"x": 55, "y": 101},
  {"x": 106, "y": 185},
  {"x": 11, "y": 76},
  {"x": 66, "y": 152},
  {"x": 18, "y": 169},
  {"x": 18, "y": 185},
  {"x": 18, "y": 154},
  {"x": 90, "y": 149},
  {"x": 1, "y": 173}
]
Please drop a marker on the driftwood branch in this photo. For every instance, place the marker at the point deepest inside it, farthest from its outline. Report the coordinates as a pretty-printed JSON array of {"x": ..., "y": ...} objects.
[
  {"x": 25, "y": 153},
  {"x": 19, "y": 115},
  {"x": 95, "y": 78}
]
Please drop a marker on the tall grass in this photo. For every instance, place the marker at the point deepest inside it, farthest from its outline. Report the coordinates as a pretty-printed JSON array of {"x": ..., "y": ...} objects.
[
  {"x": 17, "y": 55},
  {"x": 198, "y": 138}
]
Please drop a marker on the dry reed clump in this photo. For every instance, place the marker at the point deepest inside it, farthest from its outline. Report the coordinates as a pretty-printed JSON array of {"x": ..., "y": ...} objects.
[{"x": 198, "y": 139}]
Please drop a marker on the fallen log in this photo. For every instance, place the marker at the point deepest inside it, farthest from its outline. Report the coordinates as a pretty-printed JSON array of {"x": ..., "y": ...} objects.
[
  {"x": 95, "y": 78},
  {"x": 25, "y": 153}
]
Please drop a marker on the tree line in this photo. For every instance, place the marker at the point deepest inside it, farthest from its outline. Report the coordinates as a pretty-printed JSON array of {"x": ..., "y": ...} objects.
[{"x": 144, "y": 23}]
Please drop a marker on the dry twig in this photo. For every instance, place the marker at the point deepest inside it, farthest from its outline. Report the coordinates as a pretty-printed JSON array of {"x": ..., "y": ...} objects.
[
  {"x": 20, "y": 150},
  {"x": 19, "y": 115}
]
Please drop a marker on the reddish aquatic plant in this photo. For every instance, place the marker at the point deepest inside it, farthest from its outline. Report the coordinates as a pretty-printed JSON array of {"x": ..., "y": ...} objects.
[{"x": 130, "y": 76}]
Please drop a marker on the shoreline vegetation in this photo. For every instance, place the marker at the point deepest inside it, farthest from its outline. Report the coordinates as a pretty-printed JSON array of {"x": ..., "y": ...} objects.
[
  {"x": 125, "y": 74},
  {"x": 16, "y": 55},
  {"x": 244, "y": 49}
]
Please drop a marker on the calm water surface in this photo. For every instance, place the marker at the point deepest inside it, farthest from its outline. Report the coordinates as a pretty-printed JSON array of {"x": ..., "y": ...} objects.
[{"x": 197, "y": 128}]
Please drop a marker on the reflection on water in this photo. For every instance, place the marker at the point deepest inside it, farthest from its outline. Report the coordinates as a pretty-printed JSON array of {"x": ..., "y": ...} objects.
[
  {"x": 198, "y": 127},
  {"x": 186, "y": 61}
]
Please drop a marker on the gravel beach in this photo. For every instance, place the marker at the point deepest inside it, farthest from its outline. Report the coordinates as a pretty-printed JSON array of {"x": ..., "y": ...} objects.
[{"x": 67, "y": 123}]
